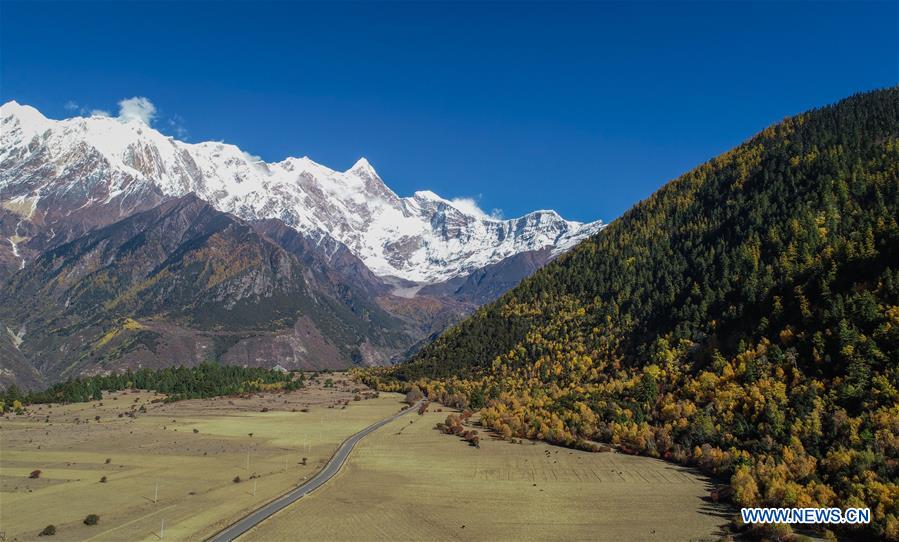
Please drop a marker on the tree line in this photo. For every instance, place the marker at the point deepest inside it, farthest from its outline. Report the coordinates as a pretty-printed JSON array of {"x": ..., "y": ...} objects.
[{"x": 178, "y": 383}]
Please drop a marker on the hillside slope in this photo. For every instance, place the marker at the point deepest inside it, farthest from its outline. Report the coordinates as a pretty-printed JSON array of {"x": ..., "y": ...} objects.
[
  {"x": 185, "y": 283},
  {"x": 744, "y": 318}
]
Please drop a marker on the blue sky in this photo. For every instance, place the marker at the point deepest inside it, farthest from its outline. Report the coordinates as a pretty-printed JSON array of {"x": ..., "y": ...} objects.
[{"x": 585, "y": 108}]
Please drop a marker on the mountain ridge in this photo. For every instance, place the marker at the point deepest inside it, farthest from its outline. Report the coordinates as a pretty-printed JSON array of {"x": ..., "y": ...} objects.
[
  {"x": 186, "y": 283},
  {"x": 115, "y": 167}
]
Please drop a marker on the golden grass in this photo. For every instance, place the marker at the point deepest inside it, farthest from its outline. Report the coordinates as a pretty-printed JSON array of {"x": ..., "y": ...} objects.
[
  {"x": 409, "y": 482},
  {"x": 194, "y": 471}
]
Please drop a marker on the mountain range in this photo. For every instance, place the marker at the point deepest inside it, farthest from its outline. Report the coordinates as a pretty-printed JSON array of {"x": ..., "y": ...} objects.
[
  {"x": 109, "y": 167},
  {"x": 125, "y": 247}
]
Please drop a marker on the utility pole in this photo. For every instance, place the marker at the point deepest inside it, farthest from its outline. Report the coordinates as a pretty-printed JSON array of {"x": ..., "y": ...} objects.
[
  {"x": 248, "y": 461},
  {"x": 254, "y": 487},
  {"x": 162, "y": 529},
  {"x": 156, "y": 494}
]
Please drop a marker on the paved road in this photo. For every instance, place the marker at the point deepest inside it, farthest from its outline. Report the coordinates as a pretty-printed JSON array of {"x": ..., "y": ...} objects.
[{"x": 330, "y": 469}]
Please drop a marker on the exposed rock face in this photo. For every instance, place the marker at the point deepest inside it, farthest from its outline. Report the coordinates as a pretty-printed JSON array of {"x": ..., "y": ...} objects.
[{"x": 183, "y": 283}]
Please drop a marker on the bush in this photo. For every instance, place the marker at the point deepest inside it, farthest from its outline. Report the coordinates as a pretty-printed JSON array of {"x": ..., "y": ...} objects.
[
  {"x": 91, "y": 519},
  {"x": 236, "y": 480},
  {"x": 414, "y": 395},
  {"x": 35, "y": 474},
  {"x": 103, "y": 480},
  {"x": 108, "y": 460},
  {"x": 49, "y": 530}
]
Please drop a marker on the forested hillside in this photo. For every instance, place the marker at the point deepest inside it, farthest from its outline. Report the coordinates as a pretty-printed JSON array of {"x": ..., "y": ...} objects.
[{"x": 745, "y": 319}]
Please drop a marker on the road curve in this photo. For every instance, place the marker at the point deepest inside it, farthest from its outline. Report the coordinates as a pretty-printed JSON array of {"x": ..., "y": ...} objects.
[{"x": 330, "y": 469}]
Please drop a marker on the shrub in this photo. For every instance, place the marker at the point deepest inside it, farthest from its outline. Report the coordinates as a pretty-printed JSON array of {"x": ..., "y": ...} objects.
[
  {"x": 103, "y": 480},
  {"x": 35, "y": 474},
  {"x": 236, "y": 480},
  {"x": 108, "y": 460},
  {"x": 91, "y": 519},
  {"x": 414, "y": 395},
  {"x": 49, "y": 530}
]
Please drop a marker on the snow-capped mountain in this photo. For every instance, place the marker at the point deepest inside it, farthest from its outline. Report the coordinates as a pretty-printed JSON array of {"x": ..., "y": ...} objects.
[{"x": 88, "y": 167}]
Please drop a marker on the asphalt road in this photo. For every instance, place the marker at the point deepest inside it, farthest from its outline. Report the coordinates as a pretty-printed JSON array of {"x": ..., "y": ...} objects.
[{"x": 330, "y": 469}]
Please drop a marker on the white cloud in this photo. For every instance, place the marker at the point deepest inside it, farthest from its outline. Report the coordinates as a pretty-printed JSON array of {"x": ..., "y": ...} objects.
[
  {"x": 176, "y": 123},
  {"x": 72, "y": 106},
  {"x": 470, "y": 206},
  {"x": 256, "y": 162},
  {"x": 137, "y": 108},
  {"x": 98, "y": 112},
  {"x": 251, "y": 158}
]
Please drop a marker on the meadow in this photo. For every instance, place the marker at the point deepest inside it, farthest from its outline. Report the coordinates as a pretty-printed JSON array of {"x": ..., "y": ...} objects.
[
  {"x": 95, "y": 458},
  {"x": 408, "y": 481}
]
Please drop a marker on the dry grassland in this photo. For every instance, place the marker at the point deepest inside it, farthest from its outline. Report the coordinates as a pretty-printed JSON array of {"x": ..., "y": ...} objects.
[
  {"x": 409, "y": 482},
  {"x": 192, "y": 449}
]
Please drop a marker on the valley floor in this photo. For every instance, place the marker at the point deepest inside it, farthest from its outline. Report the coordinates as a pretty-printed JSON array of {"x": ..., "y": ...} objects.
[
  {"x": 407, "y": 481},
  {"x": 194, "y": 470}
]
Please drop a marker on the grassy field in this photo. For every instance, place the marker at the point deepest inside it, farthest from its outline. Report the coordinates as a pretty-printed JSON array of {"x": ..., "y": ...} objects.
[
  {"x": 192, "y": 449},
  {"x": 409, "y": 482}
]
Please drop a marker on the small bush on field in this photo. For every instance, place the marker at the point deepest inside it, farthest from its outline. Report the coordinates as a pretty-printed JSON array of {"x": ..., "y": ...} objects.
[
  {"x": 35, "y": 474},
  {"x": 49, "y": 530},
  {"x": 236, "y": 480},
  {"x": 91, "y": 519},
  {"x": 414, "y": 395}
]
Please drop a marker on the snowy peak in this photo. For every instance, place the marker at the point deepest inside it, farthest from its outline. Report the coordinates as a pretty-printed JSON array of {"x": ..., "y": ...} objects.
[
  {"x": 83, "y": 162},
  {"x": 362, "y": 167}
]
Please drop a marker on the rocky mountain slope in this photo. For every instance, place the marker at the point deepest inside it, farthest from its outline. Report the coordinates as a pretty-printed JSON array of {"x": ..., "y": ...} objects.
[
  {"x": 82, "y": 172},
  {"x": 186, "y": 283}
]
